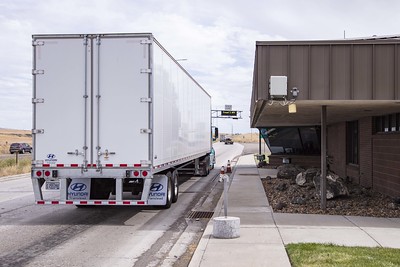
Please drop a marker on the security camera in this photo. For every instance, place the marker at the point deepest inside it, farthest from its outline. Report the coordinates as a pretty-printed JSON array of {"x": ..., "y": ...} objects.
[{"x": 295, "y": 92}]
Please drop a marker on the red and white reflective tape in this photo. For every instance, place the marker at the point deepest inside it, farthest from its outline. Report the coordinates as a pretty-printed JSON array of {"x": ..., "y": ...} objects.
[
  {"x": 91, "y": 202},
  {"x": 75, "y": 165}
]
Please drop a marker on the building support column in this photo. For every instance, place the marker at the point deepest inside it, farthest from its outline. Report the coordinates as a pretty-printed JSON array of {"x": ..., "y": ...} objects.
[{"x": 323, "y": 158}]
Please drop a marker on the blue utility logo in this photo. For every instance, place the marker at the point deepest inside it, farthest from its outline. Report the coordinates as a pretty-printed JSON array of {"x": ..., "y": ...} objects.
[
  {"x": 79, "y": 187},
  {"x": 156, "y": 187}
]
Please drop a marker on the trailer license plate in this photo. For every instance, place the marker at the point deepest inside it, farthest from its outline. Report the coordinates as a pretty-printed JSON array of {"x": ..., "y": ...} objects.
[{"x": 52, "y": 185}]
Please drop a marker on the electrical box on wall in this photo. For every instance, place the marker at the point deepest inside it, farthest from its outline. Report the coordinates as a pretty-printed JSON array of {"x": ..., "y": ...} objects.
[{"x": 278, "y": 86}]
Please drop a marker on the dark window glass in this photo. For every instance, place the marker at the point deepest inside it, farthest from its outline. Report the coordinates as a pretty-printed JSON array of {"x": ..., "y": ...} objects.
[
  {"x": 352, "y": 142},
  {"x": 292, "y": 140}
]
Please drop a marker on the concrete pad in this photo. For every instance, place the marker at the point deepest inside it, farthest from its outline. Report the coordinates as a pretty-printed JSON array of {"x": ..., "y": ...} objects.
[
  {"x": 253, "y": 218},
  {"x": 257, "y": 255},
  {"x": 373, "y": 222},
  {"x": 338, "y": 236},
  {"x": 386, "y": 237},
  {"x": 286, "y": 219},
  {"x": 253, "y": 235},
  {"x": 226, "y": 227}
]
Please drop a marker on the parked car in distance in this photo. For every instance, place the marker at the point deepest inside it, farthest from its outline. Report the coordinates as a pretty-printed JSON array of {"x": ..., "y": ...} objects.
[
  {"x": 20, "y": 148},
  {"x": 228, "y": 141}
]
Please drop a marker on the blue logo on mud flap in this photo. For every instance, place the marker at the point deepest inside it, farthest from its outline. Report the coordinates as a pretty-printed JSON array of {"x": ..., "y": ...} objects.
[
  {"x": 78, "y": 187},
  {"x": 156, "y": 187}
]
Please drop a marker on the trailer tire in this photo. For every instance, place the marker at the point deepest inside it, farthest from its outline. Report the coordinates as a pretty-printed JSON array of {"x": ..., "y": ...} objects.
[
  {"x": 175, "y": 185},
  {"x": 169, "y": 194}
]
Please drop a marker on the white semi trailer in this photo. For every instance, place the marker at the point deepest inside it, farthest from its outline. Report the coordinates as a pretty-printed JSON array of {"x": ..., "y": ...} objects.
[{"x": 115, "y": 117}]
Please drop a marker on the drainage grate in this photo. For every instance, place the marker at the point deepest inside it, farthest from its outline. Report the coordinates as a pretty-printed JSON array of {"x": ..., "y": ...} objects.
[
  {"x": 249, "y": 174},
  {"x": 200, "y": 214}
]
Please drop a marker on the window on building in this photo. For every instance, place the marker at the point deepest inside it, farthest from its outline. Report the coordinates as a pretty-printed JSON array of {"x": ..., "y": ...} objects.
[
  {"x": 387, "y": 123},
  {"x": 352, "y": 142}
]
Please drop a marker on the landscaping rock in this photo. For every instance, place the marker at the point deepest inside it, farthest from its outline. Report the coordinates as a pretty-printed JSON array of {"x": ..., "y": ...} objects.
[
  {"x": 298, "y": 201},
  {"x": 280, "y": 206},
  {"x": 281, "y": 186},
  {"x": 305, "y": 178},
  {"x": 288, "y": 171},
  {"x": 335, "y": 186}
]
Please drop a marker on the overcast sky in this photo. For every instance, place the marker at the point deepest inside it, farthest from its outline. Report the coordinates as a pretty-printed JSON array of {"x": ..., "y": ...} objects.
[{"x": 217, "y": 37}]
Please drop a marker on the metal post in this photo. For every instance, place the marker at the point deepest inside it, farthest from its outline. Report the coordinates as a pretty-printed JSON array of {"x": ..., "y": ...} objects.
[
  {"x": 16, "y": 157},
  {"x": 226, "y": 180},
  {"x": 259, "y": 142},
  {"x": 323, "y": 158}
]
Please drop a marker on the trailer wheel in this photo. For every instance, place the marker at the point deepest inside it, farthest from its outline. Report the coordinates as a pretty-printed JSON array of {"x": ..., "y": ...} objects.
[
  {"x": 175, "y": 191},
  {"x": 169, "y": 194}
]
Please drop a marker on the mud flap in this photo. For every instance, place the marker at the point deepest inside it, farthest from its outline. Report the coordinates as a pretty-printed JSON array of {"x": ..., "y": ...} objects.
[
  {"x": 79, "y": 189},
  {"x": 158, "y": 190}
]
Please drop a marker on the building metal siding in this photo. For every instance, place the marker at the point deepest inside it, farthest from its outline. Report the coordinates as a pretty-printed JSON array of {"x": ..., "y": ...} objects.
[
  {"x": 366, "y": 70},
  {"x": 386, "y": 163}
]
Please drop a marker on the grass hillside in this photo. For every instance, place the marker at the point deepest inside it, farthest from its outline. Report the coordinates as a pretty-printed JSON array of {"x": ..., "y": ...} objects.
[{"x": 8, "y": 136}]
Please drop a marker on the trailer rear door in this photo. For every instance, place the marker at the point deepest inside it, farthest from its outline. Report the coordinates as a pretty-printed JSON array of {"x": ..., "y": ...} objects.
[
  {"x": 91, "y": 100},
  {"x": 121, "y": 100},
  {"x": 60, "y": 71}
]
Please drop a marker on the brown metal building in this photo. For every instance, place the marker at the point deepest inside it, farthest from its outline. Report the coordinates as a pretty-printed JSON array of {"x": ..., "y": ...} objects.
[{"x": 352, "y": 87}]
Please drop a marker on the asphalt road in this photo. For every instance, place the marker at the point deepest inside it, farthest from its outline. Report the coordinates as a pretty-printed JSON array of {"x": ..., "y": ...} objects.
[{"x": 56, "y": 235}]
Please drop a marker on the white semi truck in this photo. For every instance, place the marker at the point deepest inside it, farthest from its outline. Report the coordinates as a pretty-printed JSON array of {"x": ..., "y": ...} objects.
[{"x": 115, "y": 117}]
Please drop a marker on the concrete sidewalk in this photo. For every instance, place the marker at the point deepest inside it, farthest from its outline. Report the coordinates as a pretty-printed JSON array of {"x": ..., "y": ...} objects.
[{"x": 264, "y": 234}]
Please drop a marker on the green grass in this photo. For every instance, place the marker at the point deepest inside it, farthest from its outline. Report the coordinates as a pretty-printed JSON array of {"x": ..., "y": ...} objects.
[
  {"x": 8, "y": 166},
  {"x": 310, "y": 254}
]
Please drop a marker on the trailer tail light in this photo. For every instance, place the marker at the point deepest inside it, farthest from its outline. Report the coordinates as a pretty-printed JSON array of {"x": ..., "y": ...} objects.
[
  {"x": 47, "y": 173},
  {"x": 39, "y": 173},
  {"x": 136, "y": 173},
  {"x": 144, "y": 173}
]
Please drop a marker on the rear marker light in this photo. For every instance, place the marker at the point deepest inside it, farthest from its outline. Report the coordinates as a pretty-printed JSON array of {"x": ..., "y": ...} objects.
[
  {"x": 140, "y": 202},
  {"x": 144, "y": 173},
  {"x": 55, "y": 202},
  {"x": 69, "y": 202},
  {"x": 40, "y": 202},
  {"x": 97, "y": 202},
  {"x": 112, "y": 202},
  {"x": 126, "y": 202}
]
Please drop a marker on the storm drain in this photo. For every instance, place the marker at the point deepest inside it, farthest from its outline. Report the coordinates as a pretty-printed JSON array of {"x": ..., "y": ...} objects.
[
  {"x": 248, "y": 174},
  {"x": 200, "y": 214}
]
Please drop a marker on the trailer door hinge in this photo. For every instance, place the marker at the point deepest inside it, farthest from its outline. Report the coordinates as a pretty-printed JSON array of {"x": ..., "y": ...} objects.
[
  {"x": 145, "y": 70},
  {"x": 37, "y": 43},
  {"x": 37, "y": 131},
  {"x": 145, "y": 100},
  {"x": 147, "y": 41},
  {"x": 35, "y": 72},
  {"x": 148, "y": 131},
  {"x": 37, "y": 100}
]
